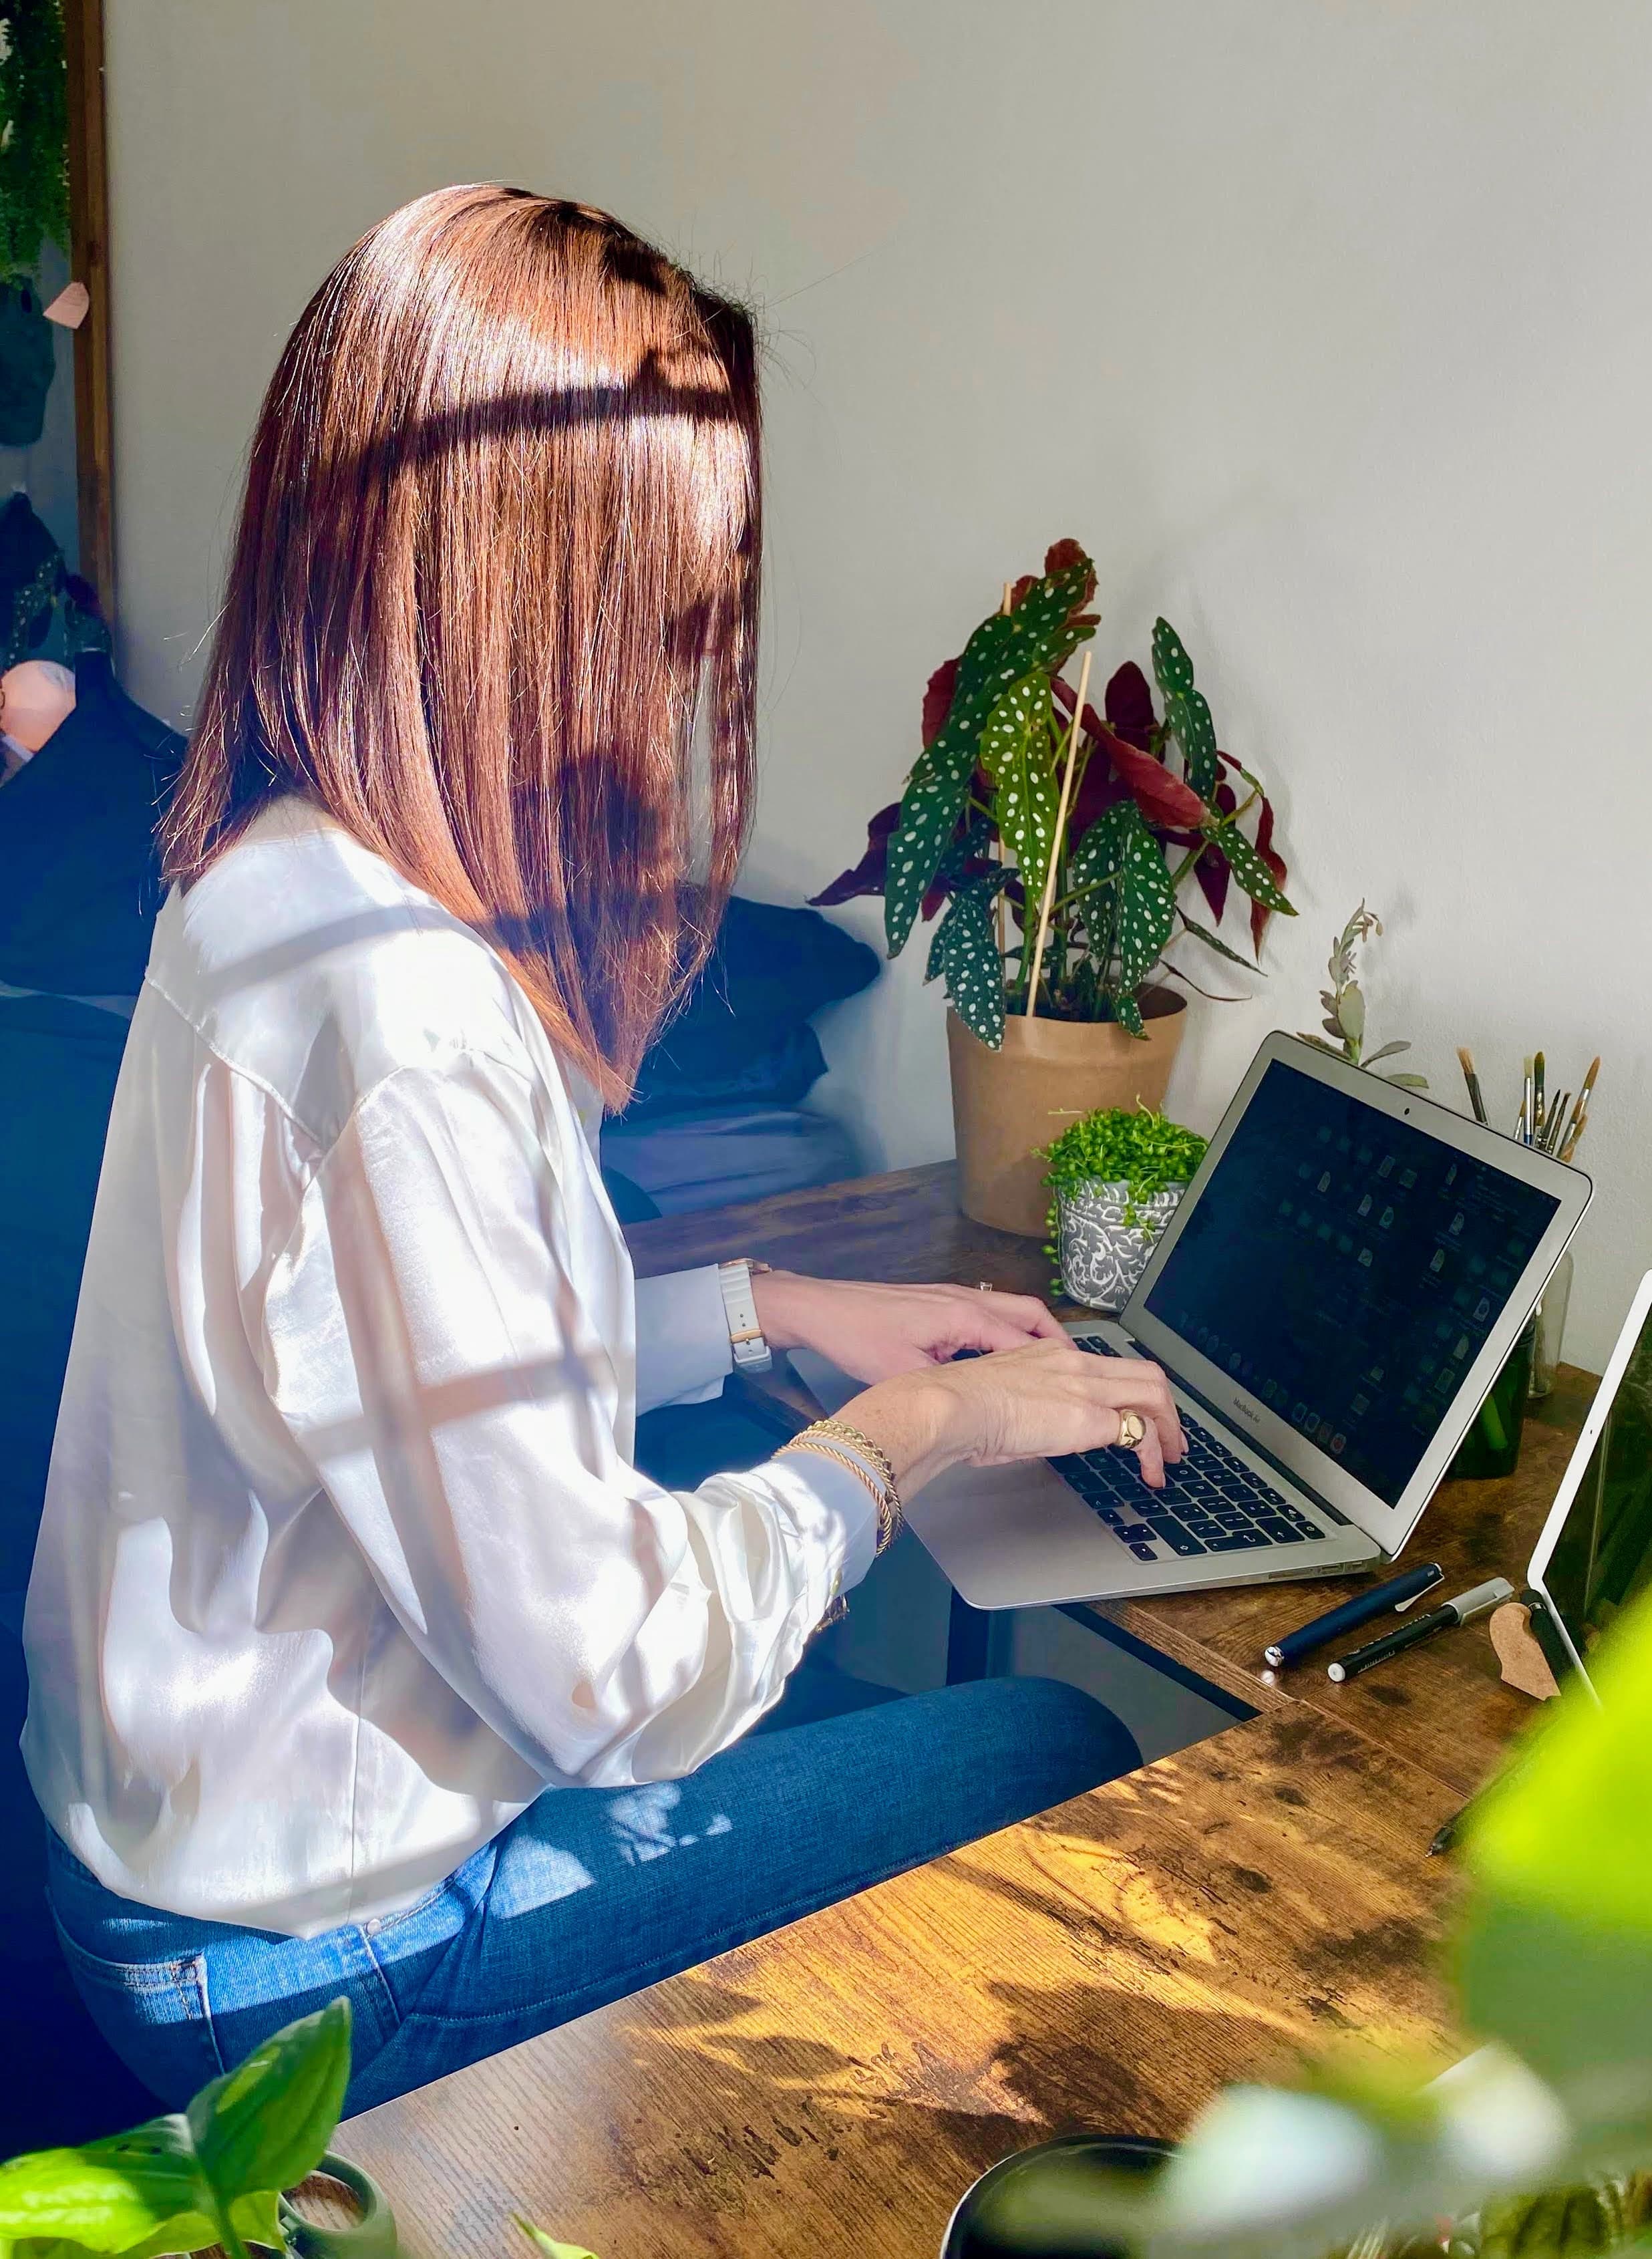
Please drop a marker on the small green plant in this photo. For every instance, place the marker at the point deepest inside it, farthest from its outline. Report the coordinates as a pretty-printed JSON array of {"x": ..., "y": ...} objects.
[
  {"x": 1344, "y": 1002},
  {"x": 212, "y": 2176},
  {"x": 1118, "y": 1145}
]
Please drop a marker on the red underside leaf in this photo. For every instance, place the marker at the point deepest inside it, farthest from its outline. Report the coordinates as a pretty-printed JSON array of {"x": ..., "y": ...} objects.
[
  {"x": 867, "y": 876},
  {"x": 937, "y": 699},
  {"x": 1060, "y": 554},
  {"x": 1161, "y": 797},
  {"x": 1129, "y": 707},
  {"x": 1211, "y": 871},
  {"x": 1276, "y": 864},
  {"x": 1099, "y": 789},
  {"x": 1058, "y": 557}
]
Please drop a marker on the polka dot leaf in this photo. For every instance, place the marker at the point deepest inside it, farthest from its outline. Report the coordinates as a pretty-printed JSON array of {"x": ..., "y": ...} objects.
[
  {"x": 1041, "y": 634},
  {"x": 1248, "y": 867},
  {"x": 964, "y": 954},
  {"x": 1016, "y": 754},
  {"x": 1119, "y": 854},
  {"x": 1186, "y": 709}
]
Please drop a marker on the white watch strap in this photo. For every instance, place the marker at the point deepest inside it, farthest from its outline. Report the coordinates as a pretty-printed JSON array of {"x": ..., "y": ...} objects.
[{"x": 739, "y": 1303}]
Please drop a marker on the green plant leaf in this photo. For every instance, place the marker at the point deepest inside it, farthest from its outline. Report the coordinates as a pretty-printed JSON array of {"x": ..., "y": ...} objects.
[
  {"x": 1248, "y": 867},
  {"x": 1406, "y": 1082},
  {"x": 1173, "y": 669},
  {"x": 1554, "y": 1958},
  {"x": 1214, "y": 941},
  {"x": 1119, "y": 852},
  {"x": 1015, "y": 754},
  {"x": 964, "y": 954},
  {"x": 1131, "y": 1147},
  {"x": 1129, "y": 1016},
  {"x": 264, "y": 2124},
  {"x": 1388, "y": 1050},
  {"x": 1350, "y": 1012},
  {"x": 548, "y": 2244},
  {"x": 178, "y": 2183},
  {"x": 109, "y": 2195},
  {"x": 1041, "y": 632},
  {"x": 1574, "y": 2223},
  {"x": 1186, "y": 709}
]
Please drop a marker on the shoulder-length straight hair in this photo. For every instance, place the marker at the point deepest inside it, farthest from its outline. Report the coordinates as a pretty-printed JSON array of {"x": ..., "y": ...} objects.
[{"x": 493, "y": 593}]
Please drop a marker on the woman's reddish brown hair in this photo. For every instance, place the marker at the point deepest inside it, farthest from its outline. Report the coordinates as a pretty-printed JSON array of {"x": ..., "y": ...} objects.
[{"x": 496, "y": 575}]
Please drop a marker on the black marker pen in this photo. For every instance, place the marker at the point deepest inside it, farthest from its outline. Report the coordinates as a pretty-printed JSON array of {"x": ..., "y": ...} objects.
[{"x": 1447, "y": 1617}]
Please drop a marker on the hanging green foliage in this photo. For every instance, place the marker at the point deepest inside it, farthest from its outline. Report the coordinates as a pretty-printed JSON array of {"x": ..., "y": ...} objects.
[{"x": 33, "y": 134}]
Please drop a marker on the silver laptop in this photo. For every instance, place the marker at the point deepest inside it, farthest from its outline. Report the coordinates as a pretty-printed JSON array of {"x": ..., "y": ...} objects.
[
  {"x": 1595, "y": 1555},
  {"x": 1333, "y": 1299}
]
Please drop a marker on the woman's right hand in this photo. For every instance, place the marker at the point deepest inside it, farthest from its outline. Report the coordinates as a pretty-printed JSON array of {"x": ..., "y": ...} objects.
[{"x": 1032, "y": 1403}]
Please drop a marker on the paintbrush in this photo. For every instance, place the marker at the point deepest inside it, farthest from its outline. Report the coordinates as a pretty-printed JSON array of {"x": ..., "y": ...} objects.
[
  {"x": 1538, "y": 1115},
  {"x": 1579, "y": 1113},
  {"x": 1466, "y": 1059},
  {"x": 1553, "y": 1134},
  {"x": 1523, "y": 1127}
]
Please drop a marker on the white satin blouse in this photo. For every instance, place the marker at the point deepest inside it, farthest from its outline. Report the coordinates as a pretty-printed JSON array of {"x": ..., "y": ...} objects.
[{"x": 344, "y": 1560}]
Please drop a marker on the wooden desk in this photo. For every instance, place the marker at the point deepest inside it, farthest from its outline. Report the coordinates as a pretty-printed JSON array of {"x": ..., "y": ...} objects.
[{"x": 832, "y": 2089}]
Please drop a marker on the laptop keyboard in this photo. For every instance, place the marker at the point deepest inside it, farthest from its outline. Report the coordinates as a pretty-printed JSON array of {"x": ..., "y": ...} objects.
[{"x": 1211, "y": 1503}]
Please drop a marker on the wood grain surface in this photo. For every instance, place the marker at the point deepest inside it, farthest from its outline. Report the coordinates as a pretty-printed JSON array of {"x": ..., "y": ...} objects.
[{"x": 832, "y": 2089}]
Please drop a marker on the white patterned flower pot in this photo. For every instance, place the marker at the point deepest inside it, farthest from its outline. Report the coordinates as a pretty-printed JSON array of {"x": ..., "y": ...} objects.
[{"x": 1105, "y": 1239}]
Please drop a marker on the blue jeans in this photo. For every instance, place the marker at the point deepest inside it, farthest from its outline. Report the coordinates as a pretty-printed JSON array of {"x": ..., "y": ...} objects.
[{"x": 591, "y": 1894}]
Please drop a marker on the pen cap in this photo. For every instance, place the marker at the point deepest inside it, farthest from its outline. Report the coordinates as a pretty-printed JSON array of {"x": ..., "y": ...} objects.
[
  {"x": 1488, "y": 1595},
  {"x": 1422, "y": 1579}
]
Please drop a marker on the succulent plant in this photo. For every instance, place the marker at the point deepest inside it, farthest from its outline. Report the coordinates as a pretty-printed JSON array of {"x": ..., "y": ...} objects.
[{"x": 1344, "y": 1004}]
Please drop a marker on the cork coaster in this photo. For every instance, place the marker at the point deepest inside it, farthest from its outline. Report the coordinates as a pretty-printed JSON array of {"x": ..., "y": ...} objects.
[{"x": 1524, "y": 1664}]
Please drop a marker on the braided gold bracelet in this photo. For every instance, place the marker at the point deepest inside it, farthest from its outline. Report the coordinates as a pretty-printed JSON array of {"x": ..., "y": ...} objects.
[{"x": 823, "y": 1434}]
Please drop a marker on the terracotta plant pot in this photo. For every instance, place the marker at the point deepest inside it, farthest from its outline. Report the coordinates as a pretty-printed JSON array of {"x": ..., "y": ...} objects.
[{"x": 1007, "y": 1103}]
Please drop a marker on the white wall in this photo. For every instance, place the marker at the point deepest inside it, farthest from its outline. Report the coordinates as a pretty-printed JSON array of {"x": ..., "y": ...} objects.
[{"x": 1325, "y": 324}]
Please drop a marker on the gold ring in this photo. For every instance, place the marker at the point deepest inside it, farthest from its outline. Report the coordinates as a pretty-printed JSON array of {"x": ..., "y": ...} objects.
[{"x": 1132, "y": 1427}]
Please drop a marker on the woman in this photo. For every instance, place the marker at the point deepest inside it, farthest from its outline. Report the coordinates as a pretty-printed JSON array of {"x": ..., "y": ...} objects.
[{"x": 362, "y": 1658}]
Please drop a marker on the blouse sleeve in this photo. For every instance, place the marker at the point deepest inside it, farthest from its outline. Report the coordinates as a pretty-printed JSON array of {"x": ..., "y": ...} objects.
[
  {"x": 427, "y": 1345},
  {"x": 683, "y": 1351}
]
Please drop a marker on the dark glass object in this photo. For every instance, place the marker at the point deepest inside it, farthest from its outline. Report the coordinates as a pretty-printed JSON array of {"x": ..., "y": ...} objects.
[
  {"x": 1492, "y": 1444},
  {"x": 1031, "y": 2205}
]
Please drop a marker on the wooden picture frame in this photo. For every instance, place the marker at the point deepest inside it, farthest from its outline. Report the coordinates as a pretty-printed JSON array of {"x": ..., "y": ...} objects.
[{"x": 88, "y": 263}]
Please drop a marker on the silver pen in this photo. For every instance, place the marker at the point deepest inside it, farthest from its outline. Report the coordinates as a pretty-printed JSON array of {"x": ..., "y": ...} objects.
[{"x": 1446, "y": 1617}]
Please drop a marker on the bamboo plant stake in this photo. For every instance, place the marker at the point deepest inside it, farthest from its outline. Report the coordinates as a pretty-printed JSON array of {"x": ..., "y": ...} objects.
[
  {"x": 1060, "y": 830},
  {"x": 1000, "y": 907}
]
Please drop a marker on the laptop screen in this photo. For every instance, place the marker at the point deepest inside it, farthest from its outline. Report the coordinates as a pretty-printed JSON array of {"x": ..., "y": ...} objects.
[
  {"x": 1346, "y": 1268},
  {"x": 1602, "y": 1557}
]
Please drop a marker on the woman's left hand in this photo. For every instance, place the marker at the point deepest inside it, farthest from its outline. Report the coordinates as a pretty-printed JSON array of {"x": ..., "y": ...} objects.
[{"x": 873, "y": 1332}]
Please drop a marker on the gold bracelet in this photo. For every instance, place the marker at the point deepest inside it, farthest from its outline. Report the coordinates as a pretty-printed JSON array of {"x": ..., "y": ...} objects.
[
  {"x": 864, "y": 1445},
  {"x": 823, "y": 1434}
]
